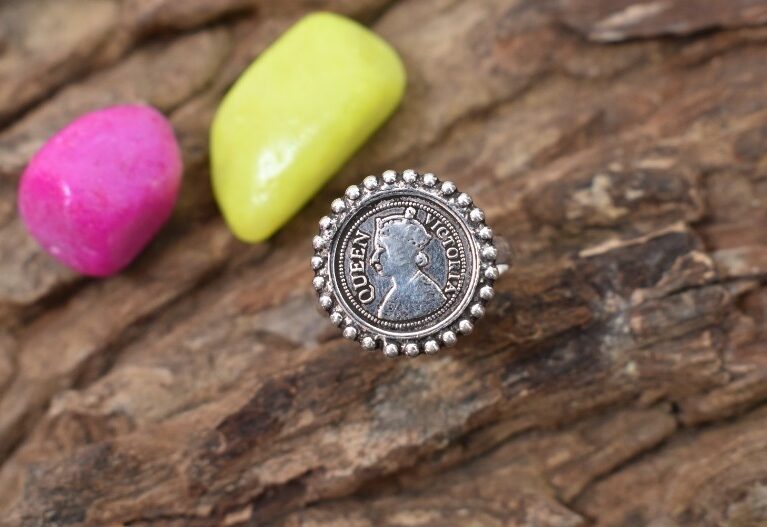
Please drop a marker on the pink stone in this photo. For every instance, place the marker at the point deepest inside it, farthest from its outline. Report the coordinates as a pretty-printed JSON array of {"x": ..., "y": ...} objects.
[{"x": 98, "y": 191}]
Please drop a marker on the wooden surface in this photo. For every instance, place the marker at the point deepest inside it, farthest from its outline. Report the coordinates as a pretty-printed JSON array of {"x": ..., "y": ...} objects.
[{"x": 620, "y": 376}]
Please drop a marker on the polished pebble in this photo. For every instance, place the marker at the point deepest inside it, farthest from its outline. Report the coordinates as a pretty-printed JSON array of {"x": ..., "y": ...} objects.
[
  {"x": 295, "y": 116},
  {"x": 98, "y": 191}
]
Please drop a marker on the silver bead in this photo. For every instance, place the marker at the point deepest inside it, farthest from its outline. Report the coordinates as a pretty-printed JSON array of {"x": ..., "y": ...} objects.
[
  {"x": 477, "y": 311},
  {"x": 317, "y": 262},
  {"x": 338, "y": 205},
  {"x": 325, "y": 222},
  {"x": 370, "y": 182},
  {"x": 448, "y": 188},
  {"x": 326, "y": 302},
  {"x": 390, "y": 176},
  {"x": 449, "y": 338},
  {"x": 465, "y": 327},
  {"x": 486, "y": 233},
  {"x": 477, "y": 215},
  {"x": 491, "y": 273},
  {"x": 318, "y": 282},
  {"x": 489, "y": 253},
  {"x": 350, "y": 332},
  {"x": 353, "y": 192},
  {"x": 391, "y": 350},
  {"x": 409, "y": 176},
  {"x": 463, "y": 200},
  {"x": 336, "y": 318},
  {"x": 368, "y": 343},
  {"x": 429, "y": 179},
  {"x": 431, "y": 347},
  {"x": 318, "y": 242},
  {"x": 486, "y": 293},
  {"x": 411, "y": 350}
]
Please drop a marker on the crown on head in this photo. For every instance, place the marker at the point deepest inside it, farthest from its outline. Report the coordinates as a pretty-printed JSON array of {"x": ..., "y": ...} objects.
[
  {"x": 409, "y": 214},
  {"x": 413, "y": 231}
]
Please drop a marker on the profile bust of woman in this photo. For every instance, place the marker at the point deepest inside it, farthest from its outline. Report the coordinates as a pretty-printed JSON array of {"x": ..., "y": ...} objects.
[{"x": 399, "y": 254}]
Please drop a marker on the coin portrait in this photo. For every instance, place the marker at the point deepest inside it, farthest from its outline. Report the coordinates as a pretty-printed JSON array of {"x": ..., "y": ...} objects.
[
  {"x": 399, "y": 253},
  {"x": 404, "y": 264}
]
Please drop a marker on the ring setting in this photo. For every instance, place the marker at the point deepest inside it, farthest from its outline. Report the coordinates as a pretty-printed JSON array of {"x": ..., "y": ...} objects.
[{"x": 405, "y": 263}]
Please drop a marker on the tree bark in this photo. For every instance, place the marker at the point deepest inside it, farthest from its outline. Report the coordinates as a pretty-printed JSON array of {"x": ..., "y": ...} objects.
[{"x": 620, "y": 375}]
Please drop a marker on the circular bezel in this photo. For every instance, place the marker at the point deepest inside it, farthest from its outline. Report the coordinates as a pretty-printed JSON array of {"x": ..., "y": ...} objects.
[{"x": 461, "y": 209}]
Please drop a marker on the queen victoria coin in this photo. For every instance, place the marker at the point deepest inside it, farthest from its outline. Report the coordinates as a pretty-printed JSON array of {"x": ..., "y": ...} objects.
[{"x": 404, "y": 263}]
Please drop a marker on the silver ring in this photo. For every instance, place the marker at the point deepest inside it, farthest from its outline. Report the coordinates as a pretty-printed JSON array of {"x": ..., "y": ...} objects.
[{"x": 405, "y": 263}]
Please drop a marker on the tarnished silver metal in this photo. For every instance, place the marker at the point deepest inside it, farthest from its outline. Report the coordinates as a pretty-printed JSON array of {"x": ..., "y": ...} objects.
[{"x": 405, "y": 263}]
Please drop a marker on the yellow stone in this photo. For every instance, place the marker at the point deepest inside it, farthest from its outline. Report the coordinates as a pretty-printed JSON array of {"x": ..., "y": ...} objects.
[{"x": 295, "y": 116}]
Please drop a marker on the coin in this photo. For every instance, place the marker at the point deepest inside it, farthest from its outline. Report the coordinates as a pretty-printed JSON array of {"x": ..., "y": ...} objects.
[{"x": 404, "y": 263}]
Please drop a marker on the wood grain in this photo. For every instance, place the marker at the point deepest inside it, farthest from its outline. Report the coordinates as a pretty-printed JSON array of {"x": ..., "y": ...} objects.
[{"x": 620, "y": 376}]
